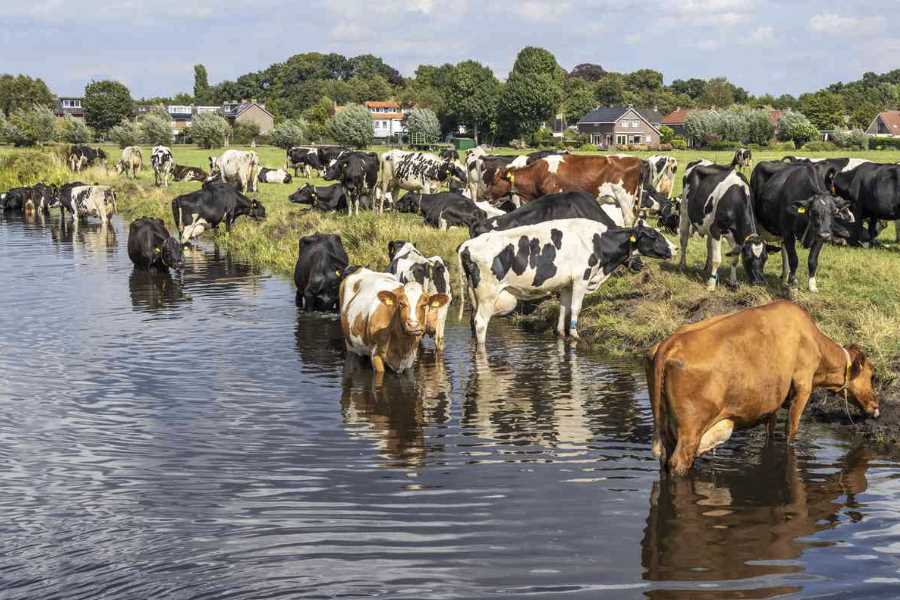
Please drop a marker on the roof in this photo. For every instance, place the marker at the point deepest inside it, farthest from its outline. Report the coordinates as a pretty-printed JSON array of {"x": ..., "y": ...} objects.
[
  {"x": 383, "y": 104},
  {"x": 231, "y": 110},
  {"x": 775, "y": 116},
  {"x": 891, "y": 120},
  {"x": 391, "y": 116},
  {"x": 611, "y": 114},
  {"x": 677, "y": 117}
]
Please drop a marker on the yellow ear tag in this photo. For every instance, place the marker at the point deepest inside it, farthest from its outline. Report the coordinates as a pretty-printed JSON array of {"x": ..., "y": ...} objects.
[
  {"x": 801, "y": 210},
  {"x": 632, "y": 239},
  {"x": 388, "y": 302},
  {"x": 156, "y": 250},
  {"x": 338, "y": 273},
  {"x": 435, "y": 304}
]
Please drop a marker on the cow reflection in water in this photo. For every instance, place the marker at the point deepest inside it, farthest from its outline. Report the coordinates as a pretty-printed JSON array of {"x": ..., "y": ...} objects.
[
  {"x": 549, "y": 396},
  {"x": 725, "y": 524},
  {"x": 152, "y": 290},
  {"x": 97, "y": 238},
  {"x": 395, "y": 412}
]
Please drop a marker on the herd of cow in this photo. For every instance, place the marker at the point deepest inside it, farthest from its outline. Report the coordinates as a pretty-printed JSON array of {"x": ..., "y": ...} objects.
[{"x": 543, "y": 224}]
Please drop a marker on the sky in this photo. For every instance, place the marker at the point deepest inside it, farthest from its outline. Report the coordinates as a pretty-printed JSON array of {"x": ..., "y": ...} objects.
[{"x": 765, "y": 46}]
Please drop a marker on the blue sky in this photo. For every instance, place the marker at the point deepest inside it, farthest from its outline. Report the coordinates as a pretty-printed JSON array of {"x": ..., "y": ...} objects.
[{"x": 789, "y": 46}]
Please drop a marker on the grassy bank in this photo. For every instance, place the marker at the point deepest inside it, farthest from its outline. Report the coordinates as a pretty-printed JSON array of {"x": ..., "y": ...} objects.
[{"x": 859, "y": 299}]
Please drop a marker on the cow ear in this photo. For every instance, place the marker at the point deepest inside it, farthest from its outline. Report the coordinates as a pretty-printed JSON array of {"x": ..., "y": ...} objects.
[
  {"x": 387, "y": 298},
  {"x": 438, "y": 300}
]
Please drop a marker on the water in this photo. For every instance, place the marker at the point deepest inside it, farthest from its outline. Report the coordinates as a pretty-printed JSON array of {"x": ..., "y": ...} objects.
[{"x": 202, "y": 439}]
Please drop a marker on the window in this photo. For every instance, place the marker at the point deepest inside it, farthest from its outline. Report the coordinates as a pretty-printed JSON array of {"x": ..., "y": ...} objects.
[
  {"x": 597, "y": 139},
  {"x": 620, "y": 139}
]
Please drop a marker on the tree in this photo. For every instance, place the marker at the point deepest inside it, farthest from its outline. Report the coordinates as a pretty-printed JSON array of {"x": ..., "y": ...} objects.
[
  {"x": 666, "y": 134},
  {"x": 244, "y": 133},
  {"x": 74, "y": 131},
  {"x": 732, "y": 125},
  {"x": 610, "y": 90},
  {"x": 317, "y": 118},
  {"x": 353, "y": 126},
  {"x": 795, "y": 126},
  {"x": 588, "y": 72},
  {"x": 472, "y": 95},
  {"x": 201, "y": 84},
  {"x": 532, "y": 94},
  {"x": 825, "y": 110},
  {"x": 210, "y": 130},
  {"x": 127, "y": 133},
  {"x": 28, "y": 127},
  {"x": 718, "y": 93},
  {"x": 21, "y": 91},
  {"x": 423, "y": 123},
  {"x": 644, "y": 80},
  {"x": 694, "y": 88},
  {"x": 578, "y": 99},
  {"x": 156, "y": 127},
  {"x": 105, "y": 104},
  {"x": 759, "y": 128},
  {"x": 292, "y": 132},
  {"x": 702, "y": 126}
]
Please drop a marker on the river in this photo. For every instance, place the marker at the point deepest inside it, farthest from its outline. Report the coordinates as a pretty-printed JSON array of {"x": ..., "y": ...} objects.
[{"x": 197, "y": 436}]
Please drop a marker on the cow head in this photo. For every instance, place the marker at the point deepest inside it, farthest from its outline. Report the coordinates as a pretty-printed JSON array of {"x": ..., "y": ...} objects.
[
  {"x": 754, "y": 254},
  {"x": 823, "y": 214},
  {"x": 410, "y": 306},
  {"x": 170, "y": 254},
  {"x": 499, "y": 183},
  {"x": 287, "y": 178},
  {"x": 257, "y": 210},
  {"x": 859, "y": 381},
  {"x": 650, "y": 242},
  {"x": 743, "y": 158},
  {"x": 409, "y": 203},
  {"x": 670, "y": 215},
  {"x": 332, "y": 170},
  {"x": 394, "y": 246},
  {"x": 304, "y": 195}
]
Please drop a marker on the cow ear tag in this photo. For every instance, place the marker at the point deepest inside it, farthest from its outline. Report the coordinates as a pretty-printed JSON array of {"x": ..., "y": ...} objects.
[
  {"x": 632, "y": 239},
  {"x": 801, "y": 210},
  {"x": 156, "y": 250},
  {"x": 338, "y": 273}
]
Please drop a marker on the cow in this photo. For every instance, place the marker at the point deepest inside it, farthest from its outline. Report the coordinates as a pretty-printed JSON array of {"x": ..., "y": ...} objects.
[
  {"x": 267, "y": 175},
  {"x": 306, "y": 157},
  {"x": 131, "y": 162},
  {"x": 150, "y": 247},
  {"x": 873, "y": 189},
  {"x": 183, "y": 173},
  {"x": 443, "y": 209},
  {"x": 717, "y": 205},
  {"x": 209, "y": 206},
  {"x": 38, "y": 198},
  {"x": 87, "y": 201},
  {"x": 792, "y": 203},
  {"x": 737, "y": 370},
  {"x": 476, "y": 163},
  {"x": 237, "y": 167},
  {"x": 450, "y": 154},
  {"x": 553, "y": 207},
  {"x": 163, "y": 163},
  {"x": 572, "y": 173},
  {"x": 80, "y": 157},
  {"x": 572, "y": 256},
  {"x": 408, "y": 264},
  {"x": 414, "y": 172},
  {"x": 329, "y": 198},
  {"x": 385, "y": 320},
  {"x": 662, "y": 173},
  {"x": 742, "y": 159},
  {"x": 320, "y": 266},
  {"x": 358, "y": 174}
]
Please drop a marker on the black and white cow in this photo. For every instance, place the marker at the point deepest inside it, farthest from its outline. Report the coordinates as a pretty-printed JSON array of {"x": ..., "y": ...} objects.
[
  {"x": 662, "y": 173},
  {"x": 414, "y": 172},
  {"x": 306, "y": 157},
  {"x": 163, "y": 164},
  {"x": 873, "y": 189},
  {"x": 794, "y": 203},
  {"x": 717, "y": 205},
  {"x": 571, "y": 256},
  {"x": 327, "y": 198},
  {"x": 80, "y": 157},
  {"x": 210, "y": 205},
  {"x": 319, "y": 270},
  {"x": 38, "y": 198},
  {"x": 151, "y": 247},
  {"x": 408, "y": 264},
  {"x": 443, "y": 209},
  {"x": 87, "y": 201},
  {"x": 553, "y": 207},
  {"x": 267, "y": 175},
  {"x": 182, "y": 173},
  {"x": 358, "y": 174}
]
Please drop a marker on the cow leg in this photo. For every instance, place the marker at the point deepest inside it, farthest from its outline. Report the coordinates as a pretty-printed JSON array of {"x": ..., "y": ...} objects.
[
  {"x": 897, "y": 231},
  {"x": 733, "y": 281},
  {"x": 440, "y": 325},
  {"x": 684, "y": 231},
  {"x": 801, "y": 397},
  {"x": 685, "y": 452},
  {"x": 578, "y": 293},
  {"x": 565, "y": 311},
  {"x": 784, "y": 263},
  {"x": 482, "y": 317},
  {"x": 812, "y": 264},
  {"x": 714, "y": 258},
  {"x": 793, "y": 261}
]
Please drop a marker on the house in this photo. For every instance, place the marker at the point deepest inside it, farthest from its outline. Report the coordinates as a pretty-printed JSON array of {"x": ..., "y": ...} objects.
[
  {"x": 886, "y": 124},
  {"x": 69, "y": 105},
  {"x": 387, "y": 118},
  {"x": 620, "y": 125},
  {"x": 676, "y": 119},
  {"x": 249, "y": 112},
  {"x": 181, "y": 115}
]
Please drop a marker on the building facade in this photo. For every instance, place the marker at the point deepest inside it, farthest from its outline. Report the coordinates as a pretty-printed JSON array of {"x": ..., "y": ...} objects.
[
  {"x": 387, "y": 119},
  {"x": 610, "y": 126},
  {"x": 69, "y": 105},
  {"x": 885, "y": 124}
]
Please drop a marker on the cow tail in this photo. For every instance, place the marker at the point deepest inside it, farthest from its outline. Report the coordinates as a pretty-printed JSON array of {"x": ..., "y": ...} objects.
[
  {"x": 463, "y": 284},
  {"x": 655, "y": 368}
]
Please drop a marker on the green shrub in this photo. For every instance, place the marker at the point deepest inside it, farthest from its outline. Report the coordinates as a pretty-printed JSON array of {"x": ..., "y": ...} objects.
[
  {"x": 783, "y": 146},
  {"x": 666, "y": 134},
  {"x": 854, "y": 140},
  {"x": 245, "y": 133},
  {"x": 795, "y": 126},
  {"x": 353, "y": 126},
  {"x": 27, "y": 127},
  {"x": 723, "y": 145},
  {"x": 210, "y": 130},
  {"x": 542, "y": 137},
  {"x": 156, "y": 128},
  {"x": 884, "y": 144},
  {"x": 679, "y": 143},
  {"x": 588, "y": 148},
  {"x": 819, "y": 146},
  {"x": 74, "y": 131},
  {"x": 127, "y": 133},
  {"x": 292, "y": 132},
  {"x": 423, "y": 123}
]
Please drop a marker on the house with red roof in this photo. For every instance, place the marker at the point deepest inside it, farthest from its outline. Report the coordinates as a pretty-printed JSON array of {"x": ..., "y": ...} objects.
[{"x": 885, "y": 124}]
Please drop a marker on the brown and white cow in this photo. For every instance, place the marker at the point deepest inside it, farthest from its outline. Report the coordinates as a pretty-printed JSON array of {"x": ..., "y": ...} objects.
[
  {"x": 383, "y": 319},
  {"x": 131, "y": 162},
  {"x": 571, "y": 173},
  {"x": 737, "y": 370},
  {"x": 237, "y": 167}
]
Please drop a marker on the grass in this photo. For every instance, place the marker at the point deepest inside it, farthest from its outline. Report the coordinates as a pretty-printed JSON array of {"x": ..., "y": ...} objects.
[{"x": 859, "y": 298}]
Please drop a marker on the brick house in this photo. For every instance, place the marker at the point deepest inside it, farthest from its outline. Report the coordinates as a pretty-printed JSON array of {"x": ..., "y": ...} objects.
[
  {"x": 885, "y": 124},
  {"x": 244, "y": 112},
  {"x": 620, "y": 125}
]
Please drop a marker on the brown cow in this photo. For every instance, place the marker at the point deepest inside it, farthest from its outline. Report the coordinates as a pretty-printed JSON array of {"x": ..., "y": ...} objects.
[
  {"x": 572, "y": 173},
  {"x": 737, "y": 370}
]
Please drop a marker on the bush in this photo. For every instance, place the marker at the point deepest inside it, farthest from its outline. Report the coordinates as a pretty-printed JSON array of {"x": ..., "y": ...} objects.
[
  {"x": 156, "y": 128},
  {"x": 244, "y": 133},
  {"x": 588, "y": 148},
  {"x": 292, "y": 132},
  {"x": 724, "y": 145},
  {"x": 679, "y": 143},
  {"x": 75, "y": 131},
  {"x": 782, "y": 146},
  {"x": 353, "y": 126},
  {"x": 853, "y": 140},
  {"x": 666, "y": 134},
  {"x": 542, "y": 137},
  {"x": 796, "y": 127},
  {"x": 423, "y": 123},
  {"x": 210, "y": 130},
  {"x": 819, "y": 146},
  {"x": 884, "y": 144},
  {"x": 759, "y": 129},
  {"x": 127, "y": 133},
  {"x": 27, "y": 167},
  {"x": 27, "y": 127}
]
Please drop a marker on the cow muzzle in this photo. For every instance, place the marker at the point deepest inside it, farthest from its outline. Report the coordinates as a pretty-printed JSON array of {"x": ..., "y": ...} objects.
[{"x": 413, "y": 328}]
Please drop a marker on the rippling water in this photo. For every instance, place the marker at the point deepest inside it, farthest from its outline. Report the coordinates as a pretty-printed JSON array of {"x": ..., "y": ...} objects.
[{"x": 197, "y": 437}]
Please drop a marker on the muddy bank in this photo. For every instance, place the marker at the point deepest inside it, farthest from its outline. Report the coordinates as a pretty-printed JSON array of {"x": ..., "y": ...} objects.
[{"x": 829, "y": 408}]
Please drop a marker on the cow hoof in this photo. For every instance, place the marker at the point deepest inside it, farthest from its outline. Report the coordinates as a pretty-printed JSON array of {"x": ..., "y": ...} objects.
[
  {"x": 711, "y": 284},
  {"x": 732, "y": 285},
  {"x": 812, "y": 285}
]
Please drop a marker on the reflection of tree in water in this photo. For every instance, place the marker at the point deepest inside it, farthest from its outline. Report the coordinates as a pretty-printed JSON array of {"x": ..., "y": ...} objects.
[
  {"x": 536, "y": 392},
  {"x": 396, "y": 413},
  {"x": 718, "y": 524}
]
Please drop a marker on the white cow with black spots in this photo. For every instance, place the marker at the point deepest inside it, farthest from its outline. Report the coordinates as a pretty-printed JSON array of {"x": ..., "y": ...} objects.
[
  {"x": 163, "y": 164},
  {"x": 408, "y": 264},
  {"x": 415, "y": 172}
]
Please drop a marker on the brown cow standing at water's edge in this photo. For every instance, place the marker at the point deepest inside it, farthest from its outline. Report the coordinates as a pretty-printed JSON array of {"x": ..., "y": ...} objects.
[{"x": 737, "y": 370}]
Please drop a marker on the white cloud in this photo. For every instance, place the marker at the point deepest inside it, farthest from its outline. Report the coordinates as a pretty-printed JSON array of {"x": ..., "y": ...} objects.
[
  {"x": 761, "y": 36},
  {"x": 835, "y": 23},
  {"x": 541, "y": 10}
]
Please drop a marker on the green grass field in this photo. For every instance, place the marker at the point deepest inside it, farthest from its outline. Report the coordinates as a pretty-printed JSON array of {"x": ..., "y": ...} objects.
[{"x": 859, "y": 298}]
